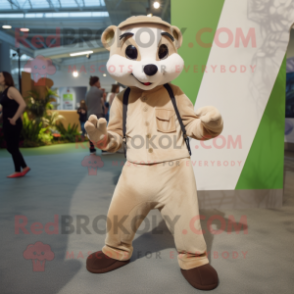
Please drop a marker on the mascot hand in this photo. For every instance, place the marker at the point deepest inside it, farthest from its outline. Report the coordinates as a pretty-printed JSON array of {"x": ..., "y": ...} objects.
[
  {"x": 211, "y": 119},
  {"x": 97, "y": 131}
]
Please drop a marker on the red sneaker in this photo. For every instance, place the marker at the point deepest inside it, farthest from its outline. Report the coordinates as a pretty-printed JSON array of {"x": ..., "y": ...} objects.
[
  {"x": 16, "y": 175},
  {"x": 25, "y": 170}
]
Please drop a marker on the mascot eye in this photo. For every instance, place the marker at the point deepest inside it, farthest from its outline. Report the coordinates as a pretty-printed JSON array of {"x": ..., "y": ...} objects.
[
  {"x": 131, "y": 52},
  {"x": 163, "y": 51}
]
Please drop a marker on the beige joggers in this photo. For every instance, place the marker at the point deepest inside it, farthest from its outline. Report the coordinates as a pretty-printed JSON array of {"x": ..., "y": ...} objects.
[{"x": 169, "y": 187}]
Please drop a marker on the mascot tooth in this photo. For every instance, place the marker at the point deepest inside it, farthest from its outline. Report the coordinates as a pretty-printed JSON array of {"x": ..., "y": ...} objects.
[{"x": 153, "y": 119}]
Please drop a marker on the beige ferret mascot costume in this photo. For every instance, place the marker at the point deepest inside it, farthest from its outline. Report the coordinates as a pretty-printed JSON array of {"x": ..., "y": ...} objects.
[{"x": 157, "y": 173}]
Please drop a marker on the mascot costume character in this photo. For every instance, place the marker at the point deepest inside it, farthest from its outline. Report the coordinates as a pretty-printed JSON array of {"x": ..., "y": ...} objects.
[{"x": 157, "y": 173}]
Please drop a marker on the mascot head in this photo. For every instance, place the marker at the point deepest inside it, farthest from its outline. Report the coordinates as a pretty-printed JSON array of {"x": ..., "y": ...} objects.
[{"x": 143, "y": 52}]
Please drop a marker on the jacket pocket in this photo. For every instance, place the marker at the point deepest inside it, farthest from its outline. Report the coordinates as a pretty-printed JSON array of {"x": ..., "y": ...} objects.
[{"x": 165, "y": 120}]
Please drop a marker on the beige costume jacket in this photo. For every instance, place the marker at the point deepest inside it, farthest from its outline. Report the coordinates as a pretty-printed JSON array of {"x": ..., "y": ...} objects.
[{"x": 153, "y": 131}]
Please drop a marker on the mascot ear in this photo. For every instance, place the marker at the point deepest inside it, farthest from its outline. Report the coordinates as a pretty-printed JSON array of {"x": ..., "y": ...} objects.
[
  {"x": 107, "y": 37},
  {"x": 177, "y": 35}
]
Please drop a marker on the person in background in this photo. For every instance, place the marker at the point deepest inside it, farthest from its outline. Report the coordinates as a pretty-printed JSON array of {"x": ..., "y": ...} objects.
[
  {"x": 111, "y": 95},
  {"x": 12, "y": 106},
  {"x": 82, "y": 112},
  {"x": 105, "y": 107},
  {"x": 94, "y": 102}
]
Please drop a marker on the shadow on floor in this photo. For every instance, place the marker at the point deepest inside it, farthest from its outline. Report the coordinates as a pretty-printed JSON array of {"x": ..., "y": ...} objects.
[
  {"x": 213, "y": 223},
  {"x": 45, "y": 192}
]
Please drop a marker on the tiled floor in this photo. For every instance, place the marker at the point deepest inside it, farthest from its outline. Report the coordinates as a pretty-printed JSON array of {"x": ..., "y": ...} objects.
[{"x": 258, "y": 259}]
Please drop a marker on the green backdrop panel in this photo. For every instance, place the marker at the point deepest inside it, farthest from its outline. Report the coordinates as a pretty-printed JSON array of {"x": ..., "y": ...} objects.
[
  {"x": 191, "y": 16},
  {"x": 264, "y": 166}
]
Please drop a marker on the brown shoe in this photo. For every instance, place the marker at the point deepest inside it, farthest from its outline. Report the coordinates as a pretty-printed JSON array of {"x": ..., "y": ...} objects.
[
  {"x": 98, "y": 262},
  {"x": 203, "y": 277}
]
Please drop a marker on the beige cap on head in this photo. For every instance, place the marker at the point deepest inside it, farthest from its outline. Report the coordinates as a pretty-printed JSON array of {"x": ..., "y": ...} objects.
[
  {"x": 109, "y": 33},
  {"x": 143, "y": 19}
]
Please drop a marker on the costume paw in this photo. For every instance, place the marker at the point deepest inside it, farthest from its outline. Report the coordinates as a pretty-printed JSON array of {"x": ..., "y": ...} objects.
[
  {"x": 208, "y": 114},
  {"x": 211, "y": 120},
  {"x": 96, "y": 130},
  {"x": 98, "y": 262},
  {"x": 203, "y": 277}
]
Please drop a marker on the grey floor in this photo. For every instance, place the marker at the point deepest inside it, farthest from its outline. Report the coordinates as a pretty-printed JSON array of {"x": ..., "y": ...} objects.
[{"x": 257, "y": 259}]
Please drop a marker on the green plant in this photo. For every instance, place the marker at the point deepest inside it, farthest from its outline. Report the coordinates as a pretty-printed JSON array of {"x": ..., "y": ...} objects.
[
  {"x": 31, "y": 128},
  {"x": 70, "y": 133},
  {"x": 34, "y": 133},
  {"x": 38, "y": 105},
  {"x": 45, "y": 136},
  {"x": 50, "y": 120},
  {"x": 38, "y": 131}
]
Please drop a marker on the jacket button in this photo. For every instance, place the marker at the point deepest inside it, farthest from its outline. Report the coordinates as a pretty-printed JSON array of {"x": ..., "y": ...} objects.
[
  {"x": 145, "y": 108},
  {"x": 147, "y": 123},
  {"x": 148, "y": 136},
  {"x": 150, "y": 150}
]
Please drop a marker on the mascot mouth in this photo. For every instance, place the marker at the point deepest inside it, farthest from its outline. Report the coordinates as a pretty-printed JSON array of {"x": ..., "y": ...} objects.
[{"x": 145, "y": 84}]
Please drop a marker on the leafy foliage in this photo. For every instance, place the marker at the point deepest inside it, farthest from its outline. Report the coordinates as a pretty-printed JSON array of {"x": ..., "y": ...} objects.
[
  {"x": 50, "y": 120},
  {"x": 45, "y": 136},
  {"x": 37, "y": 105},
  {"x": 34, "y": 133},
  {"x": 31, "y": 128},
  {"x": 40, "y": 126},
  {"x": 38, "y": 131},
  {"x": 70, "y": 133}
]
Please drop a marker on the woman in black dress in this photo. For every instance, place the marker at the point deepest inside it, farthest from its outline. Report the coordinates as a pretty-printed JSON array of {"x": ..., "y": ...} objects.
[{"x": 12, "y": 106}]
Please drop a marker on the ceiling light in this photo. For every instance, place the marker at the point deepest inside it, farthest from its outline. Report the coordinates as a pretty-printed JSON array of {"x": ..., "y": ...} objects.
[
  {"x": 80, "y": 53},
  {"x": 156, "y": 4},
  {"x": 149, "y": 15},
  {"x": 75, "y": 74},
  {"x": 104, "y": 75},
  {"x": 6, "y": 27},
  {"x": 24, "y": 29}
]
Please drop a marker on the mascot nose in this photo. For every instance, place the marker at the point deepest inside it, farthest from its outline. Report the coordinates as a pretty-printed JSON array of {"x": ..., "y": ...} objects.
[{"x": 150, "y": 69}]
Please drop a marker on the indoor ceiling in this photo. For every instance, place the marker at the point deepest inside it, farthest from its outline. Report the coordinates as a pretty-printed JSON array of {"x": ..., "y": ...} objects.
[{"x": 74, "y": 21}]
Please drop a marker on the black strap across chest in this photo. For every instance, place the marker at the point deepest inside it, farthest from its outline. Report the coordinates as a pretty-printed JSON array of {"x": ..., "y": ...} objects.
[
  {"x": 125, "y": 110},
  {"x": 172, "y": 97}
]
